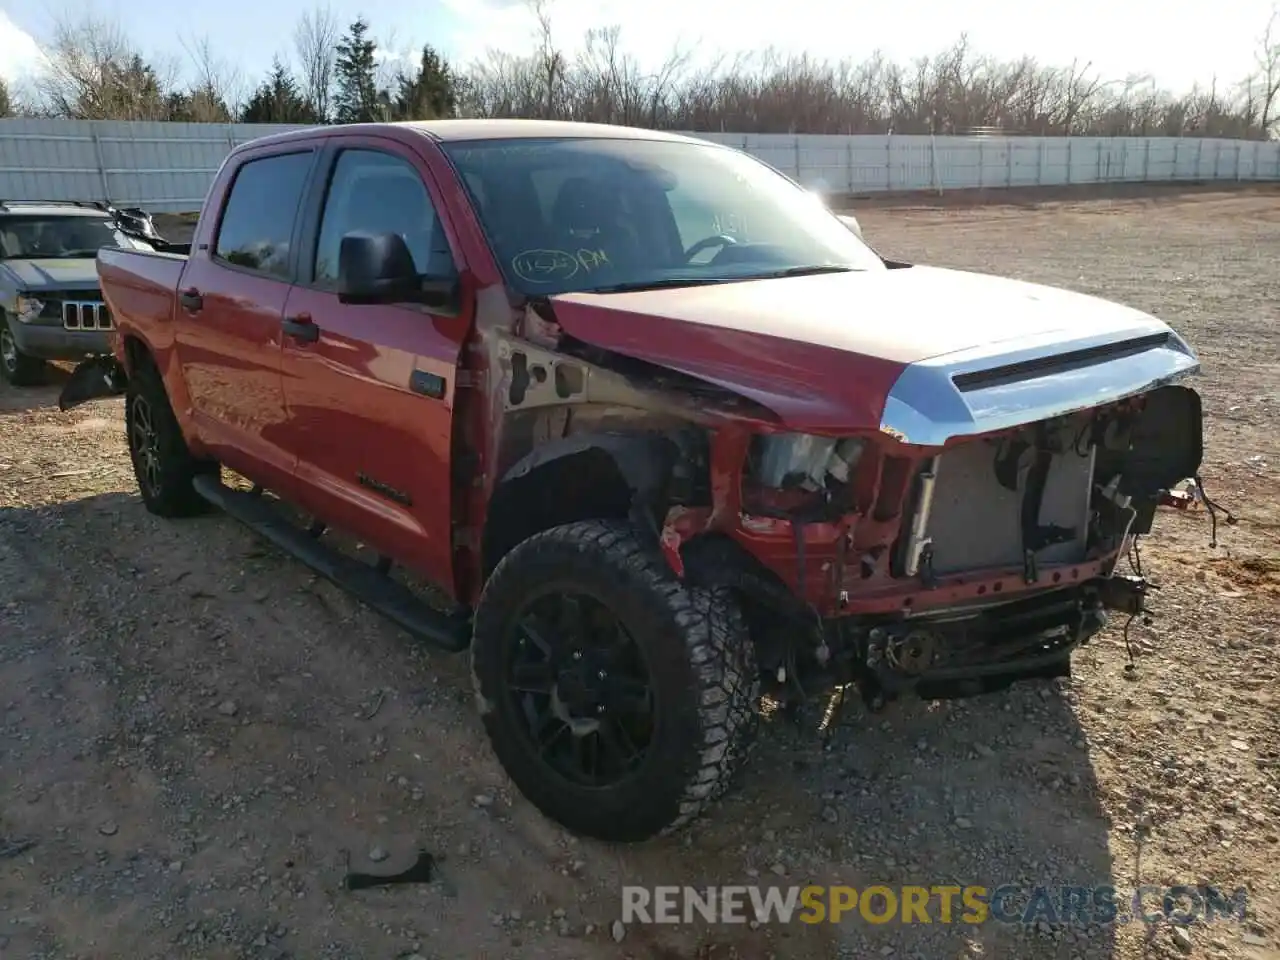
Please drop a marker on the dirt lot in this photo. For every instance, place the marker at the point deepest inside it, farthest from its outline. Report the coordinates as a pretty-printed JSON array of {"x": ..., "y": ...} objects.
[{"x": 194, "y": 732}]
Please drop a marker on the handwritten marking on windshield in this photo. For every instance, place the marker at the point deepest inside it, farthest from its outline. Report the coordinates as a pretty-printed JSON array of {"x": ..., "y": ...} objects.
[
  {"x": 592, "y": 259},
  {"x": 730, "y": 223},
  {"x": 545, "y": 266},
  {"x": 548, "y": 266}
]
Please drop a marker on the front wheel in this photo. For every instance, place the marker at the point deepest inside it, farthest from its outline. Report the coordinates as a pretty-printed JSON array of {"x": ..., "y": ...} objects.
[
  {"x": 618, "y": 700},
  {"x": 18, "y": 368}
]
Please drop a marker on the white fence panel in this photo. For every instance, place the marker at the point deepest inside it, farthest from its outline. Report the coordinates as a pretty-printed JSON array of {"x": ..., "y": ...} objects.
[
  {"x": 160, "y": 166},
  {"x": 169, "y": 166}
]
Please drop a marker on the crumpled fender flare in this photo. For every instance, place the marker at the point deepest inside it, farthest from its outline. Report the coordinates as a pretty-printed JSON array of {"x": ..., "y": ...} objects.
[{"x": 644, "y": 462}]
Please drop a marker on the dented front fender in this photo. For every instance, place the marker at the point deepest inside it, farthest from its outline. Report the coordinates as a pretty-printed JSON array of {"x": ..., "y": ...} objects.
[{"x": 92, "y": 379}]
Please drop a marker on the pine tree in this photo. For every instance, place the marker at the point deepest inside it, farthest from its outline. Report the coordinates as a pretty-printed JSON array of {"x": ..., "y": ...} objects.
[
  {"x": 357, "y": 93},
  {"x": 200, "y": 105},
  {"x": 278, "y": 100},
  {"x": 431, "y": 93},
  {"x": 5, "y": 104}
]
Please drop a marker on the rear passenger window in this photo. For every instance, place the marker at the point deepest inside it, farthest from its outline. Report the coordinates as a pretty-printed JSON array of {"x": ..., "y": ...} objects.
[
  {"x": 377, "y": 192},
  {"x": 257, "y": 223}
]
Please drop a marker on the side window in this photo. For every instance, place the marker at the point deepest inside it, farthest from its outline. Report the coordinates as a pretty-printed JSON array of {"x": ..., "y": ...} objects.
[
  {"x": 257, "y": 223},
  {"x": 376, "y": 192}
]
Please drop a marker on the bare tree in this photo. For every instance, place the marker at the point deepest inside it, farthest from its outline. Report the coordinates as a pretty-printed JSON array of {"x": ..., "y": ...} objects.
[
  {"x": 954, "y": 91},
  {"x": 93, "y": 72},
  {"x": 1265, "y": 88},
  {"x": 395, "y": 64},
  {"x": 608, "y": 85},
  {"x": 550, "y": 61},
  {"x": 315, "y": 40},
  {"x": 218, "y": 91}
]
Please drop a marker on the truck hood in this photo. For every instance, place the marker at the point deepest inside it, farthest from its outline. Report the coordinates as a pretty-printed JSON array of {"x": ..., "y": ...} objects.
[
  {"x": 49, "y": 274},
  {"x": 923, "y": 353}
]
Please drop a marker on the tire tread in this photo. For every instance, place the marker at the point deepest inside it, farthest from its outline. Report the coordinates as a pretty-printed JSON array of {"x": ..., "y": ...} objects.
[{"x": 714, "y": 639}]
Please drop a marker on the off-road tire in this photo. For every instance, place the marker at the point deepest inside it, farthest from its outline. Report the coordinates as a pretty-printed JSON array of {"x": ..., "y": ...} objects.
[
  {"x": 18, "y": 368},
  {"x": 171, "y": 494},
  {"x": 702, "y": 671},
  {"x": 742, "y": 736}
]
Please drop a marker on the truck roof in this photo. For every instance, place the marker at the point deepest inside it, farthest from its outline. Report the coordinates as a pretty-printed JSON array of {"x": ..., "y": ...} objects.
[{"x": 474, "y": 129}]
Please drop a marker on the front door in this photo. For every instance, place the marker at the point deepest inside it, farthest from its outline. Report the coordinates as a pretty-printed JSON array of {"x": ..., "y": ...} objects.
[
  {"x": 228, "y": 318},
  {"x": 369, "y": 389}
]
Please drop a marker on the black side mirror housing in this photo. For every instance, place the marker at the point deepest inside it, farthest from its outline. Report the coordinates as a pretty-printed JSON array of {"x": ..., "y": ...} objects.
[{"x": 377, "y": 268}]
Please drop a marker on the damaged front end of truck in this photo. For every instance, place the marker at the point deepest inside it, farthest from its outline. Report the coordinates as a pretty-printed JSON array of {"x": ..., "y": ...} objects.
[
  {"x": 956, "y": 570},
  {"x": 970, "y": 537}
]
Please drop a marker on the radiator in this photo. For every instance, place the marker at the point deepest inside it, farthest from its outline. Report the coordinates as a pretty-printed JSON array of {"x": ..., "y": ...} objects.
[{"x": 974, "y": 522}]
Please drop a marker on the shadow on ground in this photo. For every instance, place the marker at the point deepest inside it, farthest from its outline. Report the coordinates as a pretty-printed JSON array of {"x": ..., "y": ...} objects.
[
  {"x": 127, "y": 637},
  {"x": 25, "y": 399},
  {"x": 993, "y": 792}
]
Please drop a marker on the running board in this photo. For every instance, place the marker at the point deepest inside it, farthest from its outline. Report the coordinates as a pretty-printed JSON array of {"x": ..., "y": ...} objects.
[{"x": 393, "y": 600}]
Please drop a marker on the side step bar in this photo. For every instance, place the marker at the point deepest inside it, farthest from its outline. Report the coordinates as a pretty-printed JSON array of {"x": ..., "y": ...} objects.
[{"x": 393, "y": 600}]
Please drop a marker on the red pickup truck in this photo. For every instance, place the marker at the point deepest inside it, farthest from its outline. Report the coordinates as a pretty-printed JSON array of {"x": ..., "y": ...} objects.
[{"x": 669, "y": 435}]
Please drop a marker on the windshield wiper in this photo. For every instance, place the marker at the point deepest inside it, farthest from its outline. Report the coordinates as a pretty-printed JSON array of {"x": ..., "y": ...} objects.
[
  {"x": 704, "y": 281},
  {"x": 664, "y": 282},
  {"x": 806, "y": 271}
]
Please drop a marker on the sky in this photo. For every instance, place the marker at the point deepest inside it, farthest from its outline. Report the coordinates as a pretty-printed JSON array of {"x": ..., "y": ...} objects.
[{"x": 1177, "y": 42}]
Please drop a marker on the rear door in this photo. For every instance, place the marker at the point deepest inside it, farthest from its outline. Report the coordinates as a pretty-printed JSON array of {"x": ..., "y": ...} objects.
[
  {"x": 369, "y": 390},
  {"x": 230, "y": 306}
]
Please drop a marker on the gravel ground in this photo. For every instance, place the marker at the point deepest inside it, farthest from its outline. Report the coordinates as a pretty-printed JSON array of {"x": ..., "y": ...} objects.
[{"x": 196, "y": 735}]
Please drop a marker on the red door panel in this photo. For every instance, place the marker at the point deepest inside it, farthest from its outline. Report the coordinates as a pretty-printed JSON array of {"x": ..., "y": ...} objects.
[
  {"x": 230, "y": 308},
  {"x": 372, "y": 455},
  {"x": 369, "y": 397},
  {"x": 229, "y": 352}
]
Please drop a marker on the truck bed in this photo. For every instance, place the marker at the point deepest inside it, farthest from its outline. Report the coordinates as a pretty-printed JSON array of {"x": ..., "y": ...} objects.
[{"x": 139, "y": 285}]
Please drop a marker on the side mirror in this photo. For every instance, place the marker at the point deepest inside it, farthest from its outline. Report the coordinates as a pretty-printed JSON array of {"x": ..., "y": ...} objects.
[{"x": 378, "y": 268}]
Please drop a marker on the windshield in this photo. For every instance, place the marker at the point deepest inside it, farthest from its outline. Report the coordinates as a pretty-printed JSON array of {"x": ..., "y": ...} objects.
[
  {"x": 58, "y": 238},
  {"x": 611, "y": 214}
]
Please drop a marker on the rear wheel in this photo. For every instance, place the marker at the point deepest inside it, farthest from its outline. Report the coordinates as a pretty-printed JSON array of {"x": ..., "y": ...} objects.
[
  {"x": 616, "y": 698},
  {"x": 18, "y": 368},
  {"x": 162, "y": 463}
]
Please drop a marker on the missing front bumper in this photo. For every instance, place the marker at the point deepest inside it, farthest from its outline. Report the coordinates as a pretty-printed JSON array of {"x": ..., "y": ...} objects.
[
  {"x": 92, "y": 379},
  {"x": 963, "y": 658}
]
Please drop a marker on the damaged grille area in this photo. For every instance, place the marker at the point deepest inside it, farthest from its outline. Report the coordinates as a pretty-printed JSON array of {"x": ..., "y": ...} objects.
[{"x": 980, "y": 515}]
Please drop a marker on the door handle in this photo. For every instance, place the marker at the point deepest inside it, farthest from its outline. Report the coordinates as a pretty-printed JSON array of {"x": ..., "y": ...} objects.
[
  {"x": 191, "y": 300},
  {"x": 301, "y": 327}
]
